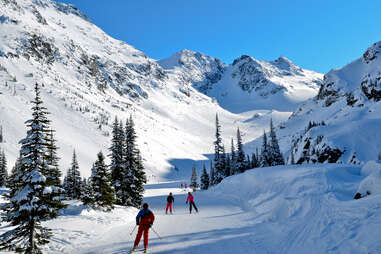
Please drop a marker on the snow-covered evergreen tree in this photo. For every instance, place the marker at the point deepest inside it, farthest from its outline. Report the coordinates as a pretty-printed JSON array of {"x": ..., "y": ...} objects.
[
  {"x": 219, "y": 169},
  {"x": 72, "y": 182},
  {"x": 274, "y": 151},
  {"x": 223, "y": 161},
  {"x": 265, "y": 160},
  {"x": 117, "y": 160},
  {"x": 87, "y": 195},
  {"x": 53, "y": 175},
  {"x": 29, "y": 196},
  {"x": 101, "y": 184},
  {"x": 254, "y": 161},
  {"x": 211, "y": 180},
  {"x": 204, "y": 179},
  {"x": 132, "y": 187},
  {"x": 3, "y": 169},
  {"x": 228, "y": 166},
  {"x": 193, "y": 180},
  {"x": 233, "y": 165},
  {"x": 241, "y": 158}
]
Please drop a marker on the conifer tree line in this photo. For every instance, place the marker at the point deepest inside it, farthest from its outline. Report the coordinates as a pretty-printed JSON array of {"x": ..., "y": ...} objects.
[
  {"x": 36, "y": 193},
  {"x": 236, "y": 162},
  {"x": 127, "y": 170},
  {"x": 121, "y": 182}
]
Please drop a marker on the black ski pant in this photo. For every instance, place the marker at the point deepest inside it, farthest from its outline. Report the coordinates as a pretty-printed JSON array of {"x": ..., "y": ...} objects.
[{"x": 190, "y": 207}]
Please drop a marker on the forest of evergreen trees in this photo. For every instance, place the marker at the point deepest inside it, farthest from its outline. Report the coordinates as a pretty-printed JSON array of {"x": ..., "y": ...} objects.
[
  {"x": 36, "y": 193},
  {"x": 236, "y": 162}
]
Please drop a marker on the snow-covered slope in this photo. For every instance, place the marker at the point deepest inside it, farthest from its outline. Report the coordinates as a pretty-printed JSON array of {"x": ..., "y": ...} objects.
[
  {"x": 342, "y": 123},
  {"x": 247, "y": 83},
  {"x": 286, "y": 209},
  {"x": 89, "y": 78}
]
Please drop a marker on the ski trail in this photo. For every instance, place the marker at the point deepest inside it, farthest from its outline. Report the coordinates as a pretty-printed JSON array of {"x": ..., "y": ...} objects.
[{"x": 217, "y": 221}]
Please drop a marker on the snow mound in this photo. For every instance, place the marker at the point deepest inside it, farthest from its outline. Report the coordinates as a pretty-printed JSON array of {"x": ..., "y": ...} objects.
[
  {"x": 308, "y": 208},
  {"x": 372, "y": 182}
]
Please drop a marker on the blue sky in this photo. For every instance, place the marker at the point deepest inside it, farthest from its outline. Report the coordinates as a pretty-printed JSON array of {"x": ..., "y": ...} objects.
[{"x": 318, "y": 35}]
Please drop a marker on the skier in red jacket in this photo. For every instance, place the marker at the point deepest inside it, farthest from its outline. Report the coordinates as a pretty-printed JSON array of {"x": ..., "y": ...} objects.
[
  {"x": 144, "y": 219},
  {"x": 190, "y": 199}
]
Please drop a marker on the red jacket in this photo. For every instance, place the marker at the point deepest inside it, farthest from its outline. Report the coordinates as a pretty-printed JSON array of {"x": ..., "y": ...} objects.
[
  {"x": 145, "y": 217},
  {"x": 190, "y": 198}
]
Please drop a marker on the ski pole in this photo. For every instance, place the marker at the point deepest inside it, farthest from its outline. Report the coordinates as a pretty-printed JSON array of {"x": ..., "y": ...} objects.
[
  {"x": 156, "y": 234},
  {"x": 133, "y": 229}
]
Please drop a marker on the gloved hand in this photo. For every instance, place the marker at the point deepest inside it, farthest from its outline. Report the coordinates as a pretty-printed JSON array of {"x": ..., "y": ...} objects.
[
  {"x": 137, "y": 223},
  {"x": 150, "y": 225},
  {"x": 186, "y": 202}
]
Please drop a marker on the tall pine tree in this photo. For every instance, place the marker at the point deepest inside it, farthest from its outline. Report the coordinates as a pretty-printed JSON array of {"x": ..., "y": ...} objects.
[
  {"x": 233, "y": 159},
  {"x": 53, "y": 175},
  {"x": 265, "y": 160},
  {"x": 117, "y": 160},
  {"x": 211, "y": 180},
  {"x": 134, "y": 175},
  {"x": 193, "y": 180},
  {"x": 241, "y": 158},
  {"x": 254, "y": 161},
  {"x": 228, "y": 166},
  {"x": 204, "y": 179},
  {"x": 3, "y": 169},
  {"x": 274, "y": 151},
  {"x": 73, "y": 181},
  {"x": 29, "y": 196},
  {"x": 101, "y": 184},
  {"x": 219, "y": 163}
]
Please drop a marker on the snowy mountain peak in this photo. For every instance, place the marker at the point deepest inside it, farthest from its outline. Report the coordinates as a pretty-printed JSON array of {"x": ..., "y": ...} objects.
[
  {"x": 251, "y": 83},
  {"x": 286, "y": 64},
  {"x": 189, "y": 59},
  {"x": 194, "y": 68}
]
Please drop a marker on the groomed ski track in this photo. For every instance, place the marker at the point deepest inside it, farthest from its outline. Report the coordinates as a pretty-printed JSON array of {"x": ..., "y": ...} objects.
[{"x": 181, "y": 232}]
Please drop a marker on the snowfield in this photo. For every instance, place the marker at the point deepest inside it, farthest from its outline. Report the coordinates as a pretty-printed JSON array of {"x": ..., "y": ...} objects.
[{"x": 284, "y": 209}]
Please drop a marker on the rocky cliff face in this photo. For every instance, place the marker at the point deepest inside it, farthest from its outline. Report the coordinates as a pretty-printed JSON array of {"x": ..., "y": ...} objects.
[{"x": 348, "y": 105}]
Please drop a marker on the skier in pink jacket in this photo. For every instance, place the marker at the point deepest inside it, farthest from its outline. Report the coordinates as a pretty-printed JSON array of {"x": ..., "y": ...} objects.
[{"x": 190, "y": 199}]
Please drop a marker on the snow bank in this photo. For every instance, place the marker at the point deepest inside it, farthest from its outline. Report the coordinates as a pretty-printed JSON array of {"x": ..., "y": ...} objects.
[
  {"x": 372, "y": 182},
  {"x": 309, "y": 208}
]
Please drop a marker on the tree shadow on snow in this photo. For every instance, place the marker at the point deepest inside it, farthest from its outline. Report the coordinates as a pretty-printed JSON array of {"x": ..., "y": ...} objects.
[{"x": 227, "y": 240}]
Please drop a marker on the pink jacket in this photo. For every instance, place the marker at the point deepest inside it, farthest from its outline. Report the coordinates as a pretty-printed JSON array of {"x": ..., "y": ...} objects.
[{"x": 190, "y": 198}]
